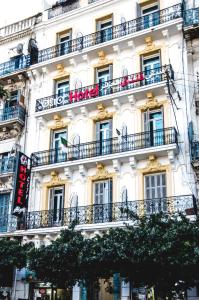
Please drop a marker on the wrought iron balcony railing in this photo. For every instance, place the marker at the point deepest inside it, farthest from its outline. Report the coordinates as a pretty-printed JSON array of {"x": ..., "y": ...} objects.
[
  {"x": 15, "y": 64},
  {"x": 191, "y": 17},
  {"x": 62, "y": 7},
  {"x": 131, "y": 142},
  {"x": 100, "y": 213},
  {"x": 106, "y": 88},
  {"x": 114, "y": 32},
  {"x": 11, "y": 113},
  {"x": 109, "y": 212},
  {"x": 7, "y": 165},
  {"x": 22, "y": 62}
]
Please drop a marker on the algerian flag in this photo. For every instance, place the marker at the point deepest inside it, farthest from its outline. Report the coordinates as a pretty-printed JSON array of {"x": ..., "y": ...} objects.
[{"x": 64, "y": 144}]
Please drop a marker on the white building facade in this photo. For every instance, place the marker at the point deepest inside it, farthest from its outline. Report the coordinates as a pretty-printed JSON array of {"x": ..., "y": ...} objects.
[{"x": 107, "y": 78}]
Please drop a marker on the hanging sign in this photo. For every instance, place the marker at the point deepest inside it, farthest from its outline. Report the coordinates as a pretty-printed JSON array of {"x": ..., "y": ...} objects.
[{"x": 22, "y": 184}]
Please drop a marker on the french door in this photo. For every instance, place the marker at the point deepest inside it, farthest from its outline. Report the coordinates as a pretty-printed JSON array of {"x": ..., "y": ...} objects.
[
  {"x": 155, "y": 193},
  {"x": 104, "y": 29},
  {"x": 64, "y": 41},
  {"x": 56, "y": 204},
  {"x": 154, "y": 128},
  {"x": 4, "y": 206},
  {"x": 104, "y": 137},
  {"x": 103, "y": 201},
  {"x": 58, "y": 154},
  {"x": 151, "y": 68},
  {"x": 150, "y": 15},
  {"x": 104, "y": 77}
]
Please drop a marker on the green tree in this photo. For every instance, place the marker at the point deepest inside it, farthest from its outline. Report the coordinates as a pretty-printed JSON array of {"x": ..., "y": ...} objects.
[
  {"x": 12, "y": 254},
  {"x": 158, "y": 251}
]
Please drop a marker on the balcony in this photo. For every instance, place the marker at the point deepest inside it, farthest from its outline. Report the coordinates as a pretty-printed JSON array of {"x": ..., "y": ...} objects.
[
  {"x": 113, "y": 86},
  {"x": 110, "y": 212},
  {"x": 124, "y": 29},
  {"x": 126, "y": 143},
  {"x": 19, "y": 26},
  {"x": 14, "y": 65},
  {"x": 7, "y": 165},
  {"x": 106, "y": 35},
  {"x": 62, "y": 7},
  {"x": 191, "y": 22},
  {"x": 10, "y": 114}
]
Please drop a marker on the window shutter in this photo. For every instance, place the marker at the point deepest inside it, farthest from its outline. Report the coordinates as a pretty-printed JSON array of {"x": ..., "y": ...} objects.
[
  {"x": 97, "y": 131},
  {"x": 51, "y": 198},
  {"x": 146, "y": 121},
  {"x": 124, "y": 130},
  {"x": 98, "y": 26},
  {"x": 124, "y": 195},
  {"x": 138, "y": 9},
  {"x": 110, "y": 72},
  {"x": 110, "y": 187},
  {"x": 110, "y": 128}
]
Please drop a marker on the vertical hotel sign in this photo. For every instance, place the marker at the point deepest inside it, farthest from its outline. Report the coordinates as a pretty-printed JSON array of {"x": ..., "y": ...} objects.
[{"x": 22, "y": 184}]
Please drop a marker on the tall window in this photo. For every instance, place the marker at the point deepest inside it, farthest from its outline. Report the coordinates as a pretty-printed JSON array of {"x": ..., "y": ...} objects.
[
  {"x": 58, "y": 152},
  {"x": 103, "y": 137},
  {"x": 64, "y": 41},
  {"x": 62, "y": 87},
  {"x": 56, "y": 203},
  {"x": 102, "y": 200},
  {"x": 150, "y": 15},
  {"x": 4, "y": 206},
  {"x": 103, "y": 77},
  {"x": 153, "y": 127},
  {"x": 155, "y": 193},
  {"x": 151, "y": 68},
  {"x": 104, "y": 29}
]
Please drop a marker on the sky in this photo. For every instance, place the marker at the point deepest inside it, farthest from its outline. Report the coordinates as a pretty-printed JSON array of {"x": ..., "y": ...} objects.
[{"x": 12, "y": 11}]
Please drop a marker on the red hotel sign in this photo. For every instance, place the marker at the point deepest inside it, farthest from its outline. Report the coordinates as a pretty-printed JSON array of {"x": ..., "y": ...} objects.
[
  {"x": 83, "y": 95},
  {"x": 117, "y": 84},
  {"x": 22, "y": 184}
]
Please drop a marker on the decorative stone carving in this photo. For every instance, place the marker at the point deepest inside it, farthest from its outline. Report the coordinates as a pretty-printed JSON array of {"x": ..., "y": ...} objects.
[
  {"x": 10, "y": 133},
  {"x": 102, "y": 59},
  {"x": 153, "y": 165},
  {"x": 55, "y": 179},
  {"x": 102, "y": 113},
  {"x": 132, "y": 162},
  {"x": 116, "y": 165},
  {"x": 151, "y": 103},
  {"x": 68, "y": 173},
  {"x": 150, "y": 46},
  {"x": 102, "y": 173},
  {"x": 82, "y": 171},
  {"x": 58, "y": 122}
]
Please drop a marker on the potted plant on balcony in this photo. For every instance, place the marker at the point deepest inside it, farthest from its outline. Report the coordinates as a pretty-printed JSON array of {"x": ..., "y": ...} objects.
[{"x": 3, "y": 93}]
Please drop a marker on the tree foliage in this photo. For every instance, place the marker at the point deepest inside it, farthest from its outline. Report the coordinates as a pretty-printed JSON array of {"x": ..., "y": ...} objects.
[
  {"x": 3, "y": 92},
  {"x": 160, "y": 252},
  {"x": 12, "y": 254}
]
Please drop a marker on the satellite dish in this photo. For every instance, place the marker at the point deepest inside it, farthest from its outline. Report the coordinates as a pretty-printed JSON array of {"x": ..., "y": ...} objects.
[{"x": 19, "y": 48}]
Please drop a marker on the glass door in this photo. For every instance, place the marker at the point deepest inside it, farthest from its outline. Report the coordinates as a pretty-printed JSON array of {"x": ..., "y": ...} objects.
[
  {"x": 104, "y": 77},
  {"x": 56, "y": 204},
  {"x": 64, "y": 43},
  {"x": 103, "y": 201},
  {"x": 151, "y": 68},
  {"x": 154, "y": 128},
  {"x": 58, "y": 154},
  {"x": 4, "y": 205},
  {"x": 155, "y": 193},
  {"x": 104, "y": 137},
  {"x": 104, "y": 28},
  {"x": 150, "y": 15}
]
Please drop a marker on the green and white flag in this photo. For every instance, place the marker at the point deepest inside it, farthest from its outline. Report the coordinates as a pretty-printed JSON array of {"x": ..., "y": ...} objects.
[{"x": 64, "y": 144}]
